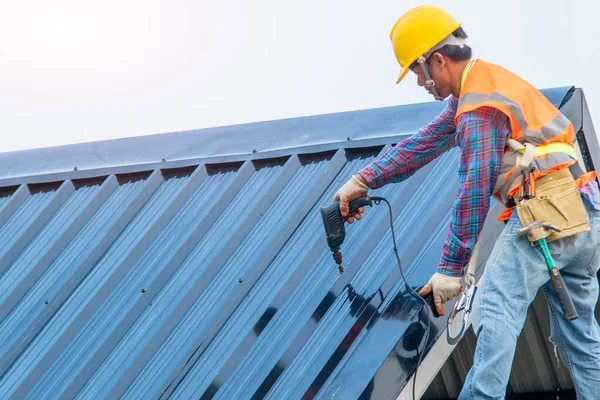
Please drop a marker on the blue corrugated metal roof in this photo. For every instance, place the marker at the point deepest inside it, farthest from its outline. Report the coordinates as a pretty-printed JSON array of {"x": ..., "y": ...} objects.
[{"x": 209, "y": 276}]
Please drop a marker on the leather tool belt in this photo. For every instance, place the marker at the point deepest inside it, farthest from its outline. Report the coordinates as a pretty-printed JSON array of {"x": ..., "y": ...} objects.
[{"x": 558, "y": 201}]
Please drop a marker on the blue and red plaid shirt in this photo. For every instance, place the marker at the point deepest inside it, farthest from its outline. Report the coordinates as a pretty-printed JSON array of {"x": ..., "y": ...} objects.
[{"x": 481, "y": 135}]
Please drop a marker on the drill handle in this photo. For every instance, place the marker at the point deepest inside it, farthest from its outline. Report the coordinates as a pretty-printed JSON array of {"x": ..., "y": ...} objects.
[{"x": 355, "y": 204}]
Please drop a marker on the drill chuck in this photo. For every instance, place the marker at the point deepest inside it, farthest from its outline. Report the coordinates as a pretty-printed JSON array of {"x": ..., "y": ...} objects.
[
  {"x": 333, "y": 223},
  {"x": 337, "y": 257}
]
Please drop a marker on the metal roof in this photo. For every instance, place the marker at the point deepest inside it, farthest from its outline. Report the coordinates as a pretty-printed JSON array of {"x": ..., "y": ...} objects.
[{"x": 207, "y": 275}]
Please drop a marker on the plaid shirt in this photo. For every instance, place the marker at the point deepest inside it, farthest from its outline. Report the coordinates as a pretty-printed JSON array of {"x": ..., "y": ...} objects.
[{"x": 481, "y": 135}]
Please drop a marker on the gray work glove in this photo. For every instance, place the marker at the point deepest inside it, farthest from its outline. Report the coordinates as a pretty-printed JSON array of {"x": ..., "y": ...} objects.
[
  {"x": 353, "y": 189},
  {"x": 444, "y": 288}
]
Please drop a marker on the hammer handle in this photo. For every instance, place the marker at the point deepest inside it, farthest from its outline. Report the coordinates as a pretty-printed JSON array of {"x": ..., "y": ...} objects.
[
  {"x": 566, "y": 303},
  {"x": 546, "y": 252}
]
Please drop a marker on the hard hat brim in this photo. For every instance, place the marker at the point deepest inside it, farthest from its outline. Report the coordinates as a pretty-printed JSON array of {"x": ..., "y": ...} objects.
[{"x": 402, "y": 74}]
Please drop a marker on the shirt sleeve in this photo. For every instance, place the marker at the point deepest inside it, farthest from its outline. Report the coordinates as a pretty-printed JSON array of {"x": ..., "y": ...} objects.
[
  {"x": 481, "y": 135},
  {"x": 403, "y": 160}
]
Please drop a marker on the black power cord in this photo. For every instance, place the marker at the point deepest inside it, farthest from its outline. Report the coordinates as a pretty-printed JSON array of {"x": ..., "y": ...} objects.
[
  {"x": 409, "y": 289},
  {"x": 377, "y": 200}
]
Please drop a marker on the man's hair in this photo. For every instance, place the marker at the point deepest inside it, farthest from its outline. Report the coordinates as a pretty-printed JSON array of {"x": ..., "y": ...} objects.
[{"x": 453, "y": 52}]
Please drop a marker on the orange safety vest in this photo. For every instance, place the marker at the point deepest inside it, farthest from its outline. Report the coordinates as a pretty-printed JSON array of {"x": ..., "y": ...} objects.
[{"x": 533, "y": 119}]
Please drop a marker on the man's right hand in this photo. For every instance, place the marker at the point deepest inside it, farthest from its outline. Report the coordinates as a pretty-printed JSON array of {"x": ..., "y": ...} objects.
[
  {"x": 444, "y": 288},
  {"x": 353, "y": 189}
]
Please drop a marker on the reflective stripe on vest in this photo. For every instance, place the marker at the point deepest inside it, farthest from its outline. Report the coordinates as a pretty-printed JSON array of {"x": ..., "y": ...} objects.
[
  {"x": 553, "y": 128},
  {"x": 533, "y": 119},
  {"x": 542, "y": 150}
]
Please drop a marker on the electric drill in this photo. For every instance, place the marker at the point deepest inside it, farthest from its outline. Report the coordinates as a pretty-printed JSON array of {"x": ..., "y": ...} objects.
[{"x": 334, "y": 224}]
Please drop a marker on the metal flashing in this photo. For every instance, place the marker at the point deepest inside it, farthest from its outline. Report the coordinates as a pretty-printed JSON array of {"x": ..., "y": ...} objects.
[{"x": 268, "y": 139}]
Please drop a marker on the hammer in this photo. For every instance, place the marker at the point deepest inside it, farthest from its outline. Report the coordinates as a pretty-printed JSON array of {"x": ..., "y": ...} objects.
[
  {"x": 536, "y": 225},
  {"x": 566, "y": 303}
]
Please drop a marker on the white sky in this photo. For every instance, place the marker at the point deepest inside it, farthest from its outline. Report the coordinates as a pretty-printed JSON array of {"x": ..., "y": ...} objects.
[{"x": 78, "y": 71}]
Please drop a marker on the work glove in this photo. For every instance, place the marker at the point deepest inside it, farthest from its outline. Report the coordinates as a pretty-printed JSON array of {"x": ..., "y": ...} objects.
[
  {"x": 444, "y": 288},
  {"x": 353, "y": 189}
]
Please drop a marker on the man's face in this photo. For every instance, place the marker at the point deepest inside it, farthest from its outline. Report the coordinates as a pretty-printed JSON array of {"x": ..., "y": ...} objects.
[{"x": 439, "y": 73}]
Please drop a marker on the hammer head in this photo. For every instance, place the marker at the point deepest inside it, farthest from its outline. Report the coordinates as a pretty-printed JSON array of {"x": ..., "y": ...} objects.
[{"x": 536, "y": 225}]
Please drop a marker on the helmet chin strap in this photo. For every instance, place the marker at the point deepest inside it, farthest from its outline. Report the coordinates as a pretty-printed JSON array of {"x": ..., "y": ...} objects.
[{"x": 429, "y": 83}]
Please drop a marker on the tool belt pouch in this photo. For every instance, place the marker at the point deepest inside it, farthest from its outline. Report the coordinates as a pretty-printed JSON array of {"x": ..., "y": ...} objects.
[{"x": 558, "y": 202}]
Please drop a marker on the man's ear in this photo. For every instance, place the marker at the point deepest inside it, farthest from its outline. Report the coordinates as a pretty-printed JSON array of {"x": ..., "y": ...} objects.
[{"x": 438, "y": 60}]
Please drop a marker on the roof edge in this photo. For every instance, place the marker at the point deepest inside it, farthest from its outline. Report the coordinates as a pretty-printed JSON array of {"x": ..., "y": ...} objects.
[
  {"x": 362, "y": 128},
  {"x": 133, "y": 168}
]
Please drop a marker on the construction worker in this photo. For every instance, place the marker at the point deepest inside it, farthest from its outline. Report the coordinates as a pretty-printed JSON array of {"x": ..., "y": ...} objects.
[{"x": 502, "y": 125}]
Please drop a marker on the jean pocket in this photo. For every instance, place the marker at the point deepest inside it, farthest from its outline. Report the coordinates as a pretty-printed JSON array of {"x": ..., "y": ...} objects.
[
  {"x": 594, "y": 264},
  {"x": 563, "y": 245},
  {"x": 593, "y": 269}
]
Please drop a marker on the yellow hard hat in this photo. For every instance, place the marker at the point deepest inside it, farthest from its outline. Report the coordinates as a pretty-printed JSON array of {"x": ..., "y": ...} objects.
[{"x": 418, "y": 31}]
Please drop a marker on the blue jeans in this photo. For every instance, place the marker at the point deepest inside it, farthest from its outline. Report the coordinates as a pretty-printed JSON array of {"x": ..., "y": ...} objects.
[{"x": 514, "y": 273}]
